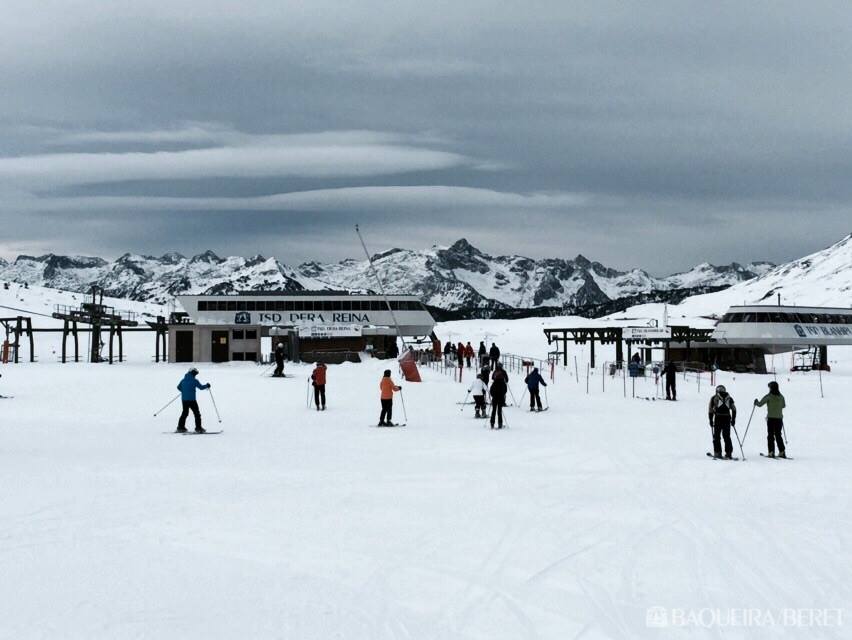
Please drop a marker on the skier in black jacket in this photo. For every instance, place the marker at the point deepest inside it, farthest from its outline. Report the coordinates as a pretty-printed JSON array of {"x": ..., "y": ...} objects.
[
  {"x": 533, "y": 380},
  {"x": 279, "y": 361},
  {"x": 671, "y": 380},
  {"x": 483, "y": 354},
  {"x": 499, "y": 389},
  {"x": 723, "y": 415},
  {"x": 494, "y": 354}
]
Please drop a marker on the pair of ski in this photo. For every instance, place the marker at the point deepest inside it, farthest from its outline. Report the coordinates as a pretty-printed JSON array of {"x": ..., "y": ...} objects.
[
  {"x": 392, "y": 424},
  {"x": 763, "y": 455},
  {"x": 194, "y": 433}
]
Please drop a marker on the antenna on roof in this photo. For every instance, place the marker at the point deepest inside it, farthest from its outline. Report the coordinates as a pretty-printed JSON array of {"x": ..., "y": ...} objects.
[{"x": 381, "y": 284}]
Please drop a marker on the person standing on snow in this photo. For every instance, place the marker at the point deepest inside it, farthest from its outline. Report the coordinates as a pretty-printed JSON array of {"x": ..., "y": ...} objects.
[
  {"x": 499, "y": 389},
  {"x": 533, "y": 380},
  {"x": 448, "y": 349},
  {"x": 279, "y": 361},
  {"x": 494, "y": 354},
  {"x": 775, "y": 405},
  {"x": 670, "y": 370},
  {"x": 460, "y": 354},
  {"x": 479, "y": 388},
  {"x": 187, "y": 388},
  {"x": 483, "y": 354},
  {"x": 387, "y": 387},
  {"x": 468, "y": 353},
  {"x": 723, "y": 415},
  {"x": 318, "y": 380}
]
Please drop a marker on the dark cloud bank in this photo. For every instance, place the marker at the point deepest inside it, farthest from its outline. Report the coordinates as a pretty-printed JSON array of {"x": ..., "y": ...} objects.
[{"x": 652, "y": 134}]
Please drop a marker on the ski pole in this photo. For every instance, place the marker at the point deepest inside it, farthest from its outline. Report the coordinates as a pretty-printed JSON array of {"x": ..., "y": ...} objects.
[
  {"x": 523, "y": 395},
  {"x": 404, "y": 413},
  {"x": 784, "y": 431},
  {"x": 464, "y": 402},
  {"x": 514, "y": 402},
  {"x": 215, "y": 408},
  {"x": 712, "y": 438},
  {"x": 745, "y": 435},
  {"x": 156, "y": 413},
  {"x": 742, "y": 453},
  {"x": 308, "y": 399},
  {"x": 546, "y": 401}
]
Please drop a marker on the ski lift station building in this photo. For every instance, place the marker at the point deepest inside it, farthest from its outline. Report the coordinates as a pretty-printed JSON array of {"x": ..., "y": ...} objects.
[
  {"x": 746, "y": 333},
  {"x": 332, "y": 326}
]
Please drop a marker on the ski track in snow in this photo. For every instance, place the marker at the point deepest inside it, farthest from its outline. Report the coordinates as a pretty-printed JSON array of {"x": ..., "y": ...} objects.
[{"x": 303, "y": 524}]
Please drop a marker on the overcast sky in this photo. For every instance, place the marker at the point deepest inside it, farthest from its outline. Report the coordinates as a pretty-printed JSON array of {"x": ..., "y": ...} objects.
[{"x": 654, "y": 134}]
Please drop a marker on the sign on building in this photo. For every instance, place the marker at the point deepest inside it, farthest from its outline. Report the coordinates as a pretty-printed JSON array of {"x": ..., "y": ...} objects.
[
  {"x": 316, "y": 332},
  {"x": 646, "y": 333}
]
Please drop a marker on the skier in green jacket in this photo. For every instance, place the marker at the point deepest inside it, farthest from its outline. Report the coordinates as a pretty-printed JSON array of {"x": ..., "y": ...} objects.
[{"x": 775, "y": 405}]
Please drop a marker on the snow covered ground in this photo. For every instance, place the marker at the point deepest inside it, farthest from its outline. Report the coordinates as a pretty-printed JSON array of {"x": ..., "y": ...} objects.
[{"x": 295, "y": 524}]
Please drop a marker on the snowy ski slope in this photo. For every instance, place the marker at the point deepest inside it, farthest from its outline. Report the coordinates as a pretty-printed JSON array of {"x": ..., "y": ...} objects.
[{"x": 299, "y": 524}]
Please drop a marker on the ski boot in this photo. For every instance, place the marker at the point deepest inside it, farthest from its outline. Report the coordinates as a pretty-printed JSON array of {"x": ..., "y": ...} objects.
[
  {"x": 782, "y": 454},
  {"x": 200, "y": 430},
  {"x": 771, "y": 454},
  {"x": 180, "y": 430}
]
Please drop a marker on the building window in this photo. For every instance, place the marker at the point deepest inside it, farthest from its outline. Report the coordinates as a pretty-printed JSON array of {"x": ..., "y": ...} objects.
[
  {"x": 251, "y": 305},
  {"x": 202, "y": 305},
  {"x": 237, "y": 356},
  {"x": 327, "y": 305},
  {"x": 237, "y": 334},
  {"x": 377, "y": 305},
  {"x": 283, "y": 305},
  {"x": 251, "y": 334},
  {"x": 241, "y": 305},
  {"x": 221, "y": 305},
  {"x": 250, "y": 356},
  {"x": 232, "y": 305}
]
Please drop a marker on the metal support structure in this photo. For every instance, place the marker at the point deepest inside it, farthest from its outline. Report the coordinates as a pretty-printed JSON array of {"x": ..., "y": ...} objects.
[{"x": 381, "y": 285}]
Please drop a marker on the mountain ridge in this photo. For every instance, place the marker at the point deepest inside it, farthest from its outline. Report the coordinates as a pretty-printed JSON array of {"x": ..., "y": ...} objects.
[{"x": 458, "y": 276}]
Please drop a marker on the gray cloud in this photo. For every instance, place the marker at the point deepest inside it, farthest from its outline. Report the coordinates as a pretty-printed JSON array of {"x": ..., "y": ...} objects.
[{"x": 655, "y": 134}]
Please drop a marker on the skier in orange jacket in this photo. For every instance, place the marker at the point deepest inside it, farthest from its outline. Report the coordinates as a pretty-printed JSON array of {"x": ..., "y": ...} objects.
[{"x": 387, "y": 387}]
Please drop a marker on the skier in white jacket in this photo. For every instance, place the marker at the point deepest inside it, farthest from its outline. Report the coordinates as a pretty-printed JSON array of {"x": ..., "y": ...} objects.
[{"x": 479, "y": 388}]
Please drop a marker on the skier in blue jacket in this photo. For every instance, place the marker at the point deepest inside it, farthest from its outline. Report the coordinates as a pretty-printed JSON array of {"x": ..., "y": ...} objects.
[
  {"x": 187, "y": 388},
  {"x": 533, "y": 380}
]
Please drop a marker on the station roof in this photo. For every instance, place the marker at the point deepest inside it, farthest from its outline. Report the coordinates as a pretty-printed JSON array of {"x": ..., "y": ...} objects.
[{"x": 324, "y": 293}]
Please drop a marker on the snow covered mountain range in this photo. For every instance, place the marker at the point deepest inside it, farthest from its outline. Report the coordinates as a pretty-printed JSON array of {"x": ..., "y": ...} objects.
[
  {"x": 455, "y": 277},
  {"x": 821, "y": 279}
]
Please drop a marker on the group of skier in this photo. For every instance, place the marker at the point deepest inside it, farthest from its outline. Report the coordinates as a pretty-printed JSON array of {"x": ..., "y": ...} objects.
[
  {"x": 462, "y": 354},
  {"x": 722, "y": 410},
  {"x": 499, "y": 378},
  {"x": 722, "y": 413}
]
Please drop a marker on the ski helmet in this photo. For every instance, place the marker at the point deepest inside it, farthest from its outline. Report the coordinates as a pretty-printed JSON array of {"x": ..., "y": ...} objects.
[
  {"x": 193, "y": 371},
  {"x": 721, "y": 389},
  {"x": 387, "y": 373}
]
